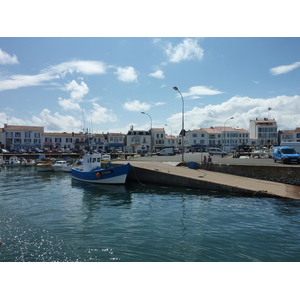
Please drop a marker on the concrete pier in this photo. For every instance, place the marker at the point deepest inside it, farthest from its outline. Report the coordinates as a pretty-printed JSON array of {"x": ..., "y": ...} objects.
[{"x": 176, "y": 174}]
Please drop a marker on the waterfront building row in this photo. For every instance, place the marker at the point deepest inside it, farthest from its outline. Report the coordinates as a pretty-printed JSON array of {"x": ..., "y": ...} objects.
[{"x": 261, "y": 133}]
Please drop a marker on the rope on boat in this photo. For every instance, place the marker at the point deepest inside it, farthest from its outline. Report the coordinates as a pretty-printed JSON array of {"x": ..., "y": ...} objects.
[{"x": 137, "y": 177}]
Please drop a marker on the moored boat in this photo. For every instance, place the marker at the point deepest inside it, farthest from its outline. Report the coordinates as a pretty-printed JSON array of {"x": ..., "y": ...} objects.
[
  {"x": 44, "y": 166},
  {"x": 13, "y": 161},
  {"x": 92, "y": 171},
  {"x": 59, "y": 166},
  {"x": 77, "y": 164},
  {"x": 30, "y": 162}
]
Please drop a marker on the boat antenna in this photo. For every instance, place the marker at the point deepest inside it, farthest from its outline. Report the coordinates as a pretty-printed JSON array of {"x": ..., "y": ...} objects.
[{"x": 83, "y": 118}]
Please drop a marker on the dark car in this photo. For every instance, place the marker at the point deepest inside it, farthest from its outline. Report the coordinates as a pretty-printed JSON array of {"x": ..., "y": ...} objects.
[{"x": 56, "y": 151}]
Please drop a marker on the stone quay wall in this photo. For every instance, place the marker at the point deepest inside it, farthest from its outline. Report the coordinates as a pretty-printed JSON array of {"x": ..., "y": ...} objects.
[{"x": 289, "y": 174}]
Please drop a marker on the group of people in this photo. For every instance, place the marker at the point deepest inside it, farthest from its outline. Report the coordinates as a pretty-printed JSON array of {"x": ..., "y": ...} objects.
[{"x": 207, "y": 161}]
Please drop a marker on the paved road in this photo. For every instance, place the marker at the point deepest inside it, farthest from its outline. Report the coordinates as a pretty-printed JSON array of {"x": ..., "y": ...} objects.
[{"x": 198, "y": 156}]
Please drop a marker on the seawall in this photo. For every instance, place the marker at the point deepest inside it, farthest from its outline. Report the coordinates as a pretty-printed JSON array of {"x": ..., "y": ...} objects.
[{"x": 289, "y": 174}]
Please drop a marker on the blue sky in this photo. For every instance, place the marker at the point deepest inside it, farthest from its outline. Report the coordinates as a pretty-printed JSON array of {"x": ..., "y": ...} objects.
[{"x": 104, "y": 83}]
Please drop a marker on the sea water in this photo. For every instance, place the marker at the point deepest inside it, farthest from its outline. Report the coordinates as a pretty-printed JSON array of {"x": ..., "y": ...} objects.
[{"x": 47, "y": 217}]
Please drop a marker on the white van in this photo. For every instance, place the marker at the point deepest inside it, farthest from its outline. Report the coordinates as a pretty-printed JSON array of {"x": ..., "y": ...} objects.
[
  {"x": 166, "y": 151},
  {"x": 216, "y": 151}
]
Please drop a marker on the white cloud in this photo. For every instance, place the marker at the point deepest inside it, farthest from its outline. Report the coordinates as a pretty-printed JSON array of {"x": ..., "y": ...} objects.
[
  {"x": 127, "y": 74},
  {"x": 187, "y": 50},
  {"x": 52, "y": 73},
  {"x": 68, "y": 104},
  {"x": 57, "y": 123},
  {"x": 6, "y": 59},
  {"x": 77, "y": 90},
  {"x": 135, "y": 105},
  {"x": 101, "y": 114},
  {"x": 158, "y": 74},
  {"x": 285, "y": 110},
  {"x": 87, "y": 67},
  {"x": 17, "y": 81},
  {"x": 197, "y": 91},
  {"x": 284, "y": 69}
]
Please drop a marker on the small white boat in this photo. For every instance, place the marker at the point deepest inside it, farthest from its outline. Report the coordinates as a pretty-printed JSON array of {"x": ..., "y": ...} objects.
[
  {"x": 13, "y": 162},
  {"x": 44, "y": 166},
  {"x": 30, "y": 162},
  {"x": 59, "y": 166},
  {"x": 78, "y": 164},
  {"x": 2, "y": 161}
]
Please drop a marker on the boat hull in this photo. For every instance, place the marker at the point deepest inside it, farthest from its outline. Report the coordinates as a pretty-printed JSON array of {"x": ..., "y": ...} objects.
[
  {"x": 115, "y": 175},
  {"x": 44, "y": 167}
]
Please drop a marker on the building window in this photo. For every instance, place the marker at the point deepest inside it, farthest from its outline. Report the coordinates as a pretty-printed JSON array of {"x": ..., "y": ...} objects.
[
  {"x": 57, "y": 140},
  {"x": 17, "y": 134},
  {"x": 37, "y": 135},
  {"x": 27, "y": 140}
]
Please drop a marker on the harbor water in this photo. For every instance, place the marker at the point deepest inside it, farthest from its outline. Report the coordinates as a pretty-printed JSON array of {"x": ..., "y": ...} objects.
[{"x": 47, "y": 217}]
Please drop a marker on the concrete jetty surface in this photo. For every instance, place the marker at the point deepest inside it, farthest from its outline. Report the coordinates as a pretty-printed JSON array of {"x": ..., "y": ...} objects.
[{"x": 176, "y": 174}]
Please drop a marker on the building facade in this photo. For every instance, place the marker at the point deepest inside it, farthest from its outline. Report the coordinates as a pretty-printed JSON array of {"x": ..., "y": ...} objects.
[
  {"x": 263, "y": 132},
  {"x": 20, "y": 137}
]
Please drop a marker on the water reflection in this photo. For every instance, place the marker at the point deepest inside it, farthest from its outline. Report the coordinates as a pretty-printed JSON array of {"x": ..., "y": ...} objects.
[{"x": 94, "y": 195}]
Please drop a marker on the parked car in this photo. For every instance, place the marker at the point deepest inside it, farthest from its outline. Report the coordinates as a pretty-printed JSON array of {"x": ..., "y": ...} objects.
[
  {"x": 216, "y": 151},
  {"x": 286, "y": 155},
  {"x": 3, "y": 150},
  {"x": 166, "y": 151}
]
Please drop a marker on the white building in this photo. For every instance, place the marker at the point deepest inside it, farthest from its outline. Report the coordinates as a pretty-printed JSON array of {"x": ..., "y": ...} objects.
[
  {"x": 263, "y": 132},
  {"x": 138, "y": 140},
  {"x": 21, "y": 137}
]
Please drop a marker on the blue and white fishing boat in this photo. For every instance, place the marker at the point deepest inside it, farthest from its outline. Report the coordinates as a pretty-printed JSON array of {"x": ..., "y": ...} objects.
[{"x": 93, "y": 172}]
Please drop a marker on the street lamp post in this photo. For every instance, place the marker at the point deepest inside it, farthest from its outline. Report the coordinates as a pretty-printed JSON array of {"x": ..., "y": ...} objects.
[
  {"x": 150, "y": 131},
  {"x": 224, "y": 132},
  {"x": 171, "y": 134},
  {"x": 182, "y": 130}
]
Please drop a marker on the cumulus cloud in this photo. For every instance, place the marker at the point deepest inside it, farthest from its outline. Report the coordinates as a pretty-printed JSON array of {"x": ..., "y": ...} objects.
[
  {"x": 284, "y": 69},
  {"x": 68, "y": 104},
  {"x": 127, "y": 74},
  {"x": 158, "y": 74},
  {"x": 187, "y": 50},
  {"x": 101, "y": 114},
  {"x": 284, "y": 110},
  {"x": 77, "y": 92},
  {"x": 57, "y": 122},
  {"x": 6, "y": 59},
  {"x": 136, "y": 105},
  {"x": 197, "y": 91}
]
